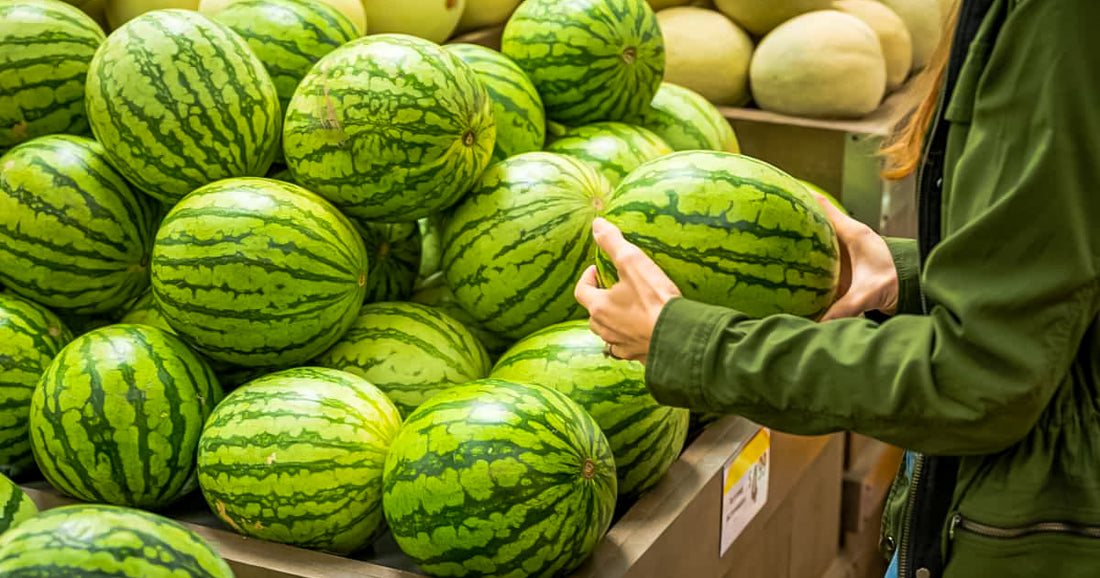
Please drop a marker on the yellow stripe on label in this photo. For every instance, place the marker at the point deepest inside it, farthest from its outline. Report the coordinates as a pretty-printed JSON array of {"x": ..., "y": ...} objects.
[{"x": 750, "y": 454}]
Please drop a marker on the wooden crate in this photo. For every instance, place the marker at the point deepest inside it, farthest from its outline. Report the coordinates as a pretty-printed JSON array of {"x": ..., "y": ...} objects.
[{"x": 672, "y": 531}]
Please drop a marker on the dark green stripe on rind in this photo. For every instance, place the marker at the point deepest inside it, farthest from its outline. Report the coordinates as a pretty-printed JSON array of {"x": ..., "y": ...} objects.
[
  {"x": 30, "y": 337},
  {"x": 117, "y": 415},
  {"x": 393, "y": 250},
  {"x": 389, "y": 128},
  {"x": 645, "y": 437},
  {"x": 409, "y": 351},
  {"x": 687, "y": 121},
  {"x": 517, "y": 106},
  {"x": 612, "y": 148},
  {"x": 258, "y": 272},
  {"x": 515, "y": 247},
  {"x": 180, "y": 101},
  {"x": 591, "y": 60},
  {"x": 297, "y": 457},
  {"x": 435, "y": 293},
  {"x": 45, "y": 50},
  {"x": 97, "y": 540},
  {"x": 15, "y": 506},
  {"x": 72, "y": 233},
  {"x": 499, "y": 479},
  {"x": 730, "y": 230}
]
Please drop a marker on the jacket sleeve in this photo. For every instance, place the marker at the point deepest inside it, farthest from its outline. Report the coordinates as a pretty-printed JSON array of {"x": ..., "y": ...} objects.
[
  {"x": 907, "y": 262},
  {"x": 1014, "y": 285}
]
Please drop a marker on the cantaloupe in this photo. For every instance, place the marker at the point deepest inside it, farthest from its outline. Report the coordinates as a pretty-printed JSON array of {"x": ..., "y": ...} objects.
[
  {"x": 485, "y": 13},
  {"x": 893, "y": 35},
  {"x": 706, "y": 52},
  {"x": 662, "y": 4},
  {"x": 434, "y": 20},
  {"x": 119, "y": 12},
  {"x": 923, "y": 19},
  {"x": 759, "y": 17},
  {"x": 353, "y": 9},
  {"x": 824, "y": 64}
]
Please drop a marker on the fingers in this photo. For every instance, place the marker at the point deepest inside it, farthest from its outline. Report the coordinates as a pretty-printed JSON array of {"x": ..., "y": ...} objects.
[
  {"x": 588, "y": 289},
  {"x": 611, "y": 241},
  {"x": 845, "y": 226},
  {"x": 847, "y": 306}
]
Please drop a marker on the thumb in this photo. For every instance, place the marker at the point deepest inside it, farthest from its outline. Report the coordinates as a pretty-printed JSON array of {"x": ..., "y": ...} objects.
[
  {"x": 847, "y": 306},
  {"x": 845, "y": 226}
]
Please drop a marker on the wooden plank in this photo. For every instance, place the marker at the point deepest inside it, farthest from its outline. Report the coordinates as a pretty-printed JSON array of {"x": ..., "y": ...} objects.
[
  {"x": 488, "y": 37},
  {"x": 866, "y": 484}
]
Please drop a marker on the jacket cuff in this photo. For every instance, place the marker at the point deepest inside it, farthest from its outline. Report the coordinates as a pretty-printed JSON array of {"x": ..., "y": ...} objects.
[
  {"x": 681, "y": 339},
  {"x": 907, "y": 262}
]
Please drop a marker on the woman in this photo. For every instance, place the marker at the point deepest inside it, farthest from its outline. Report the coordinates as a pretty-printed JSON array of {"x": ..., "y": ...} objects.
[{"x": 990, "y": 364}]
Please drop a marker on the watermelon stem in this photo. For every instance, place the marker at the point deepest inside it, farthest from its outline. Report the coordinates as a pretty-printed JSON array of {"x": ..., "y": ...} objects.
[
  {"x": 588, "y": 470},
  {"x": 630, "y": 54}
]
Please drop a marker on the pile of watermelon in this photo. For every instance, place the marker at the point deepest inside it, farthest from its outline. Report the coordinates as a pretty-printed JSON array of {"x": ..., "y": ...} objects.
[{"x": 327, "y": 279}]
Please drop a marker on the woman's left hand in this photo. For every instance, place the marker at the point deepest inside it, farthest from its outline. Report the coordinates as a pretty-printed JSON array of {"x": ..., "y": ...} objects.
[{"x": 625, "y": 314}]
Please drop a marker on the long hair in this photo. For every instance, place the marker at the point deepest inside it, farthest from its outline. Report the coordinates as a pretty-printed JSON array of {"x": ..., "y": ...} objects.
[{"x": 904, "y": 148}]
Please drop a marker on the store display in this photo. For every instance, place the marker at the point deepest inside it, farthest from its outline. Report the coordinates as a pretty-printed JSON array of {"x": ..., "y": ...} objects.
[
  {"x": 485, "y": 13},
  {"x": 687, "y": 121},
  {"x": 612, "y": 148},
  {"x": 925, "y": 23},
  {"x": 352, "y": 9},
  {"x": 707, "y": 53},
  {"x": 893, "y": 36},
  {"x": 434, "y": 292},
  {"x": 433, "y": 20},
  {"x": 759, "y": 17}
]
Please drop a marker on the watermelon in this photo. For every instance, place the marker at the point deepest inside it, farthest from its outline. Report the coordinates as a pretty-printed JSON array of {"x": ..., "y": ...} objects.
[
  {"x": 258, "y": 272},
  {"x": 45, "y": 49},
  {"x": 393, "y": 250},
  {"x": 409, "y": 351},
  {"x": 431, "y": 246},
  {"x": 180, "y": 101},
  {"x": 15, "y": 506},
  {"x": 30, "y": 337},
  {"x": 515, "y": 247},
  {"x": 687, "y": 121},
  {"x": 289, "y": 36},
  {"x": 144, "y": 311},
  {"x": 816, "y": 189},
  {"x": 117, "y": 415},
  {"x": 72, "y": 233},
  {"x": 107, "y": 541},
  {"x": 433, "y": 291},
  {"x": 590, "y": 60},
  {"x": 613, "y": 148},
  {"x": 645, "y": 437},
  {"x": 499, "y": 479},
  {"x": 389, "y": 128},
  {"x": 729, "y": 230},
  {"x": 296, "y": 457},
  {"x": 517, "y": 106}
]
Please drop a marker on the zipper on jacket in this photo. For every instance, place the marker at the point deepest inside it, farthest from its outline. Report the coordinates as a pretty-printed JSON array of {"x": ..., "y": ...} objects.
[
  {"x": 960, "y": 522},
  {"x": 904, "y": 543}
]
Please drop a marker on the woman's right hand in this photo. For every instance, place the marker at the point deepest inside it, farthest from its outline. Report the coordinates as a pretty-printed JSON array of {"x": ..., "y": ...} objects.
[{"x": 868, "y": 278}]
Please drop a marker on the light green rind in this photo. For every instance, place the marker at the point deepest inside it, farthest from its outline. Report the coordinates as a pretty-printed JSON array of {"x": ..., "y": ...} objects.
[
  {"x": 517, "y": 106},
  {"x": 434, "y": 292},
  {"x": 612, "y": 148},
  {"x": 296, "y": 457},
  {"x": 180, "y": 101},
  {"x": 687, "y": 121},
  {"x": 431, "y": 248},
  {"x": 499, "y": 479},
  {"x": 409, "y": 351},
  {"x": 117, "y": 415},
  {"x": 15, "y": 506},
  {"x": 816, "y": 189},
  {"x": 30, "y": 337},
  {"x": 144, "y": 311},
  {"x": 72, "y": 234},
  {"x": 107, "y": 541},
  {"x": 645, "y": 437},
  {"x": 258, "y": 272},
  {"x": 393, "y": 250},
  {"x": 516, "y": 246},
  {"x": 389, "y": 128},
  {"x": 45, "y": 49},
  {"x": 591, "y": 60},
  {"x": 729, "y": 230}
]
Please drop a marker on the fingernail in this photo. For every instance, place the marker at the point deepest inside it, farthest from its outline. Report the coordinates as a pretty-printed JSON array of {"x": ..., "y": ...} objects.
[{"x": 598, "y": 223}]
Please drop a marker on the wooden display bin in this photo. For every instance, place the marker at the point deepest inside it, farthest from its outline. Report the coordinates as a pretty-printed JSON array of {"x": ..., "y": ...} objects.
[{"x": 673, "y": 531}]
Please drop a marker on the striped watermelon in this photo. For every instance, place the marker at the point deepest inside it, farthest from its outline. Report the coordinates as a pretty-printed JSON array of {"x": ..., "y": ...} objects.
[
  {"x": 730, "y": 230},
  {"x": 687, "y": 121},
  {"x": 30, "y": 337},
  {"x": 296, "y": 457},
  {"x": 389, "y": 128},
  {"x": 613, "y": 148},
  {"x": 258, "y": 272},
  {"x": 72, "y": 233},
  {"x": 144, "y": 311},
  {"x": 99, "y": 541},
  {"x": 409, "y": 351},
  {"x": 180, "y": 101},
  {"x": 499, "y": 479},
  {"x": 645, "y": 437},
  {"x": 816, "y": 189},
  {"x": 431, "y": 246},
  {"x": 517, "y": 106},
  {"x": 289, "y": 36},
  {"x": 45, "y": 49},
  {"x": 393, "y": 250},
  {"x": 117, "y": 415},
  {"x": 590, "y": 60},
  {"x": 434, "y": 292},
  {"x": 515, "y": 247},
  {"x": 15, "y": 506}
]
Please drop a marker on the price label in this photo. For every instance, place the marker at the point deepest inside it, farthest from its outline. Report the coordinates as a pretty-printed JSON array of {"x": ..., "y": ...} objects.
[{"x": 745, "y": 487}]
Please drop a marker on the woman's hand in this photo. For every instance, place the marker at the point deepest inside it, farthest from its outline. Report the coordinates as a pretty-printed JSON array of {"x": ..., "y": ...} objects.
[
  {"x": 868, "y": 278},
  {"x": 624, "y": 315}
]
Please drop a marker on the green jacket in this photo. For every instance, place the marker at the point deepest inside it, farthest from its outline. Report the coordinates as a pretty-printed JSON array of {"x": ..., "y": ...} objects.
[{"x": 994, "y": 354}]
